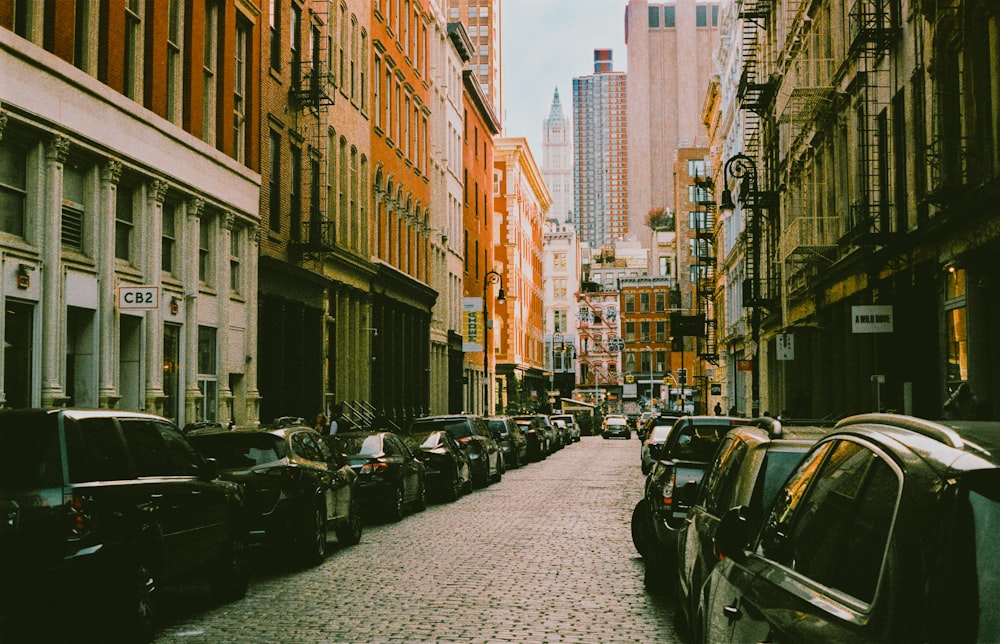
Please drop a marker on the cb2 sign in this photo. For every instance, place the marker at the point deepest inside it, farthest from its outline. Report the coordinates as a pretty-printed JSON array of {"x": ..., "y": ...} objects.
[{"x": 138, "y": 297}]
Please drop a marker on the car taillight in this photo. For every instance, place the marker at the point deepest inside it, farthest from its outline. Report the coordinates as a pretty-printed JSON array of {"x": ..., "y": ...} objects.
[
  {"x": 81, "y": 517},
  {"x": 373, "y": 468},
  {"x": 668, "y": 491}
]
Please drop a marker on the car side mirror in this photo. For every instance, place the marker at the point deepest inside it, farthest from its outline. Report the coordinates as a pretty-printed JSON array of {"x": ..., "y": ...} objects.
[
  {"x": 211, "y": 469},
  {"x": 733, "y": 534}
]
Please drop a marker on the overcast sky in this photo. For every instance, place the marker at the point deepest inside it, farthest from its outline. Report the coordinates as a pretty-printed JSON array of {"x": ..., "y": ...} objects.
[{"x": 545, "y": 44}]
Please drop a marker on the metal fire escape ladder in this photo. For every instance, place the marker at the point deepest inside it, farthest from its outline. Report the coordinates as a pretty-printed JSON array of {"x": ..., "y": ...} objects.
[
  {"x": 871, "y": 34},
  {"x": 311, "y": 95},
  {"x": 705, "y": 267}
]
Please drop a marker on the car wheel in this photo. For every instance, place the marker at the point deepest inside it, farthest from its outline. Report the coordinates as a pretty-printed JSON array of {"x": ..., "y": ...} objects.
[
  {"x": 397, "y": 504},
  {"x": 641, "y": 528},
  {"x": 421, "y": 502},
  {"x": 231, "y": 577},
  {"x": 499, "y": 473},
  {"x": 349, "y": 533},
  {"x": 681, "y": 619},
  {"x": 314, "y": 537},
  {"x": 136, "y": 610},
  {"x": 454, "y": 490},
  {"x": 646, "y": 467}
]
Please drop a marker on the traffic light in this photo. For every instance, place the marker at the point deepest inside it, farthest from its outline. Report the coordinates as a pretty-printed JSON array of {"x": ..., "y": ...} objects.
[{"x": 682, "y": 376}]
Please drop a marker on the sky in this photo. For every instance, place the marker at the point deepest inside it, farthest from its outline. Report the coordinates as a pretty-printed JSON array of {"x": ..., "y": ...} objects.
[{"x": 546, "y": 43}]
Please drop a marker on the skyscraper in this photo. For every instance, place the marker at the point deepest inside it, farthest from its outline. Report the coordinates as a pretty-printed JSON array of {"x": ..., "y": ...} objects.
[
  {"x": 557, "y": 161},
  {"x": 670, "y": 48},
  {"x": 600, "y": 153}
]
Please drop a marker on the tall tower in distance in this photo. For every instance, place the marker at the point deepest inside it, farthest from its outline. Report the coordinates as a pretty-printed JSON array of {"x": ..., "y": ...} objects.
[
  {"x": 557, "y": 161},
  {"x": 482, "y": 22},
  {"x": 670, "y": 63},
  {"x": 600, "y": 153}
]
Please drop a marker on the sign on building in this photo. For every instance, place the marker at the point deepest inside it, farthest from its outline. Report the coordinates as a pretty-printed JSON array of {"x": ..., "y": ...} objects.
[
  {"x": 875, "y": 318},
  {"x": 473, "y": 333},
  {"x": 138, "y": 297},
  {"x": 785, "y": 345}
]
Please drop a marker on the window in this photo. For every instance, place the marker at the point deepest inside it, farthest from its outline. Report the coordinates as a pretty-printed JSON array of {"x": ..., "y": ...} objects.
[
  {"x": 559, "y": 288},
  {"x": 630, "y": 332},
  {"x": 661, "y": 301},
  {"x": 72, "y": 207},
  {"x": 241, "y": 76},
  {"x": 235, "y": 259},
  {"x": 168, "y": 243},
  {"x": 274, "y": 183},
  {"x": 82, "y": 29},
  {"x": 209, "y": 63},
  {"x": 204, "y": 249},
  {"x": 701, "y": 15},
  {"x": 175, "y": 61},
  {"x": 295, "y": 45},
  {"x": 559, "y": 260},
  {"x": 661, "y": 331},
  {"x": 559, "y": 321},
  {"x": 377, "y": 95},
  {"x": 644, "y": 331},
  {"x": 124, "y": 222},
  {"x": 630, "y": 302},
  {"x": 132, "y": 71},
  {"x": 207, "y": 376},
  {"x": 13, "y": 187},
  {"x": 956, "y": 328},
  {"x": 835, "y": 515},
  {"x": 275, "y": 17},
  {"x": 654, "y": 17},
  {"x": 295, "y": 194},
  {"x": 644, "y": 302},
  {"x": 668, "y": 17}
]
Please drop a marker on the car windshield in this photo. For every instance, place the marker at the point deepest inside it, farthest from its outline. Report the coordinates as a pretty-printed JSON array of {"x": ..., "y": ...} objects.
[
  {"x": 430, "y": 439},
  {"x": 697, "y": 443},
  {"x": 241, "y": 450},
  {"x": 361, "y": 445},
  {"x": 29, "y": 452},
  {"x": 615, "y": 421},
  {"x": 659, "y": 433},
  {"x": 458, "y": 428},
  {"x": 498, "y": 426}
]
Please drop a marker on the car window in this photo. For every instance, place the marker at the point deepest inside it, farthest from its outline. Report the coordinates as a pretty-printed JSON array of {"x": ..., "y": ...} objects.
[
  {"x": 29, "y": 452},
  {"x": 838, "y": 533},
  {"x": 95, "y": 450},
  {"x": 185, "y": 459},
  {"x": 240, "y": 451},
  {"x": 309, "y": 449},
  {"x": 149, "y": 454},
  {"x": 775, "y": 468},
  {"x": 659, "y": 434},
  {"x": 698, "y": 443},
  {"x": 356, "y": 445},
  {"x": 717, "y": 490}
]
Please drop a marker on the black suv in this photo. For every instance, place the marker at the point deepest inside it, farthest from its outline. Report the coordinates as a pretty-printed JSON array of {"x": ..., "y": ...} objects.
[
  {"x": 105, "y": 507},
  {"x": 886, "y": 531},
  {"x": 749, "y": 467}
]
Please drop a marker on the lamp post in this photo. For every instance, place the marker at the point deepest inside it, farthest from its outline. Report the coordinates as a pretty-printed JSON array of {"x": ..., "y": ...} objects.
[
  {"x": 650, "y": 378},
  {"x": 738, "y": 167},
  {"x": 491, "y": 277},
  {"x": 552, "y": 357}
]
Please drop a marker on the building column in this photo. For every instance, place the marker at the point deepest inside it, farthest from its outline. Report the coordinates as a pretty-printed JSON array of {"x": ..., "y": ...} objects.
[
  {"x": 192, "y": 394},
  {"x": 53, "y": 312},
  {"x": 222, "y": 316},
  {"x": 150, "y": 240},
  {"x": 107, "y": 393},
  {"x": 252, "y": 401}
]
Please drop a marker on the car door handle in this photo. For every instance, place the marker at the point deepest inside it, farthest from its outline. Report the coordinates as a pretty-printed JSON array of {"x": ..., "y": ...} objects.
[{"x": 732, "y": 611}]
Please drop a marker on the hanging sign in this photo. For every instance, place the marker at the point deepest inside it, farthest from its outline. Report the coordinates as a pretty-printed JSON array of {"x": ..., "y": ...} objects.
[{"x": 876, "y": 318}]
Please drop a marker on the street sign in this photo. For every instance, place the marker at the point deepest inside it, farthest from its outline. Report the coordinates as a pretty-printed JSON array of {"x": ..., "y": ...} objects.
[{"x": 138, "y": 297}]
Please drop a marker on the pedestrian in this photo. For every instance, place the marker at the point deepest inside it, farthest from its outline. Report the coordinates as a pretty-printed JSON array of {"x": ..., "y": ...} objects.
[
  {"x": 732, "y": 410},
  {"x": 320, "y": 423},
  {"x": 336, "y": 420},
  {"x": 961, "y": 405},
  {"x": 718, "y": 409}
]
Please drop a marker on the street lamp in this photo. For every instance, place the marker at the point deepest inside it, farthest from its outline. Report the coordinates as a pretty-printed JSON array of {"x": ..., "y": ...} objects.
[
  {"x": 738, "y": 167},
  {"x": 555, "y": 337},
  {"x": 491, "y": 277}
]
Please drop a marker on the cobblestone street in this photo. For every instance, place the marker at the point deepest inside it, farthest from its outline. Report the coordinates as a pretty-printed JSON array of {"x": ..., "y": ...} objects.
[{"x": 543, "y": 556}]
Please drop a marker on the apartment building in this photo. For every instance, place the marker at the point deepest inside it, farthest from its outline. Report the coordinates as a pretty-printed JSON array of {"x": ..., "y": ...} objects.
[
  {"x": 557, "y": 161},
  {"x": 128, "y": 207},
  {"x": 483, "y": 23}
]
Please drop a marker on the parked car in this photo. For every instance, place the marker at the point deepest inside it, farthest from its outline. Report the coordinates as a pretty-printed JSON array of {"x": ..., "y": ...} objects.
[
  {"x": 615, "y": 425},
  {"x": 474, "y": 435},
  {"x": 749, "y": 467},
  {"x": 298, "y": 492},
  {"x": 669, "y": 488},
  {"x": 652, "y": 446},
  {"x": 885, "y": 531},
  {"x": 562, "y": 430},
  {"x": 390, "y": 476},
  {"x": 574, "y": 427},
  {"x": 534, "y": 431},
  {"x": 100, "y": 510},
  {"x": 663, "y": 418},
  {"x": 511, "y": 440},
  {"x": 447, "y": 468}
]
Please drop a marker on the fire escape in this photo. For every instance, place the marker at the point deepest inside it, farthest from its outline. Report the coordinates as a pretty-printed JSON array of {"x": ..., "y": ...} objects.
[
  {"x": 755, "y": 95},
  {"x": 870, "y": 35},
  {"x": 310, "y": 97},
  {"x": 599, "y": 340},
  {"x": 705, "y": 268}
]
